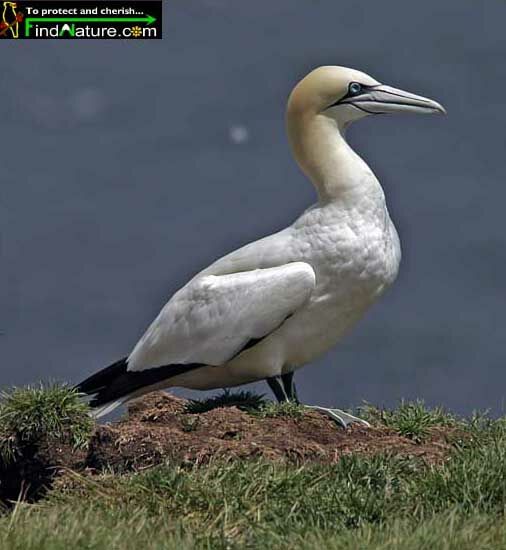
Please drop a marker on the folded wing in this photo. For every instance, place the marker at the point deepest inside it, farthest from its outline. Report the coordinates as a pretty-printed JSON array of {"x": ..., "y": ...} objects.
[{"x": 214, "y": 317}]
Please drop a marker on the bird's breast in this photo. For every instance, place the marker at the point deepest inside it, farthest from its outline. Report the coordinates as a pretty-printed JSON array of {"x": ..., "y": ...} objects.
[
  {"x": 355, "y": 258},
  {"x": 355, "y": 253}
]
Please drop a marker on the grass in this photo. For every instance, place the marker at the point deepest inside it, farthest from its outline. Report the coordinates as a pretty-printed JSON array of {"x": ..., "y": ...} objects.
[
  {"x": 30, "y": 413},
  {"x": 380, "y": 502},
  {"x": 136, "y": 527},
  {"x": 246, "y": 401},
  {"x": 288, "y": 409},
  {"x": 410, "y": 419}
]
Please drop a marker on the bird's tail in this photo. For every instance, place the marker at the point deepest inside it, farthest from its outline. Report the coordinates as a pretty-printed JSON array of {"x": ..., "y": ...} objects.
[
  {"x": 106, "y": 388},
  {"x": 111, "y": 387}
]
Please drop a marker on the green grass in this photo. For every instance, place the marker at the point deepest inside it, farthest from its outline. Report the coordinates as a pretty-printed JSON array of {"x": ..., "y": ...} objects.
[
  {"x": 244, "y": 400},
  {"x": 288, "y": 409},
  {"x": 30, "y": 413},
  {"x": 411, "y": 419},
  {"x": 381, "y": 502},
  {"x": 99, "y": 528},
  {"x": 365, "y": 503}
]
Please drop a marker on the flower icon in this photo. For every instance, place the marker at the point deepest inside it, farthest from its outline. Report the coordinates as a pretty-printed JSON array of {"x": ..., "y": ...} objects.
[{"x": 136, "y": 32}]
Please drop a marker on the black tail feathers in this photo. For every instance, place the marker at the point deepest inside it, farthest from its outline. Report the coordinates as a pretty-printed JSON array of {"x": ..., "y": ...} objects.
[
  {"x": 103, "y": 378},
  {"x": 105, "y": 384},
  {"x": 116, "y": 382}
]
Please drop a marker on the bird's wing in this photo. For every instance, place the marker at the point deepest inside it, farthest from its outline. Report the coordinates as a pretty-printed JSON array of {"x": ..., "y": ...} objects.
[
  {"x": 271, "y": 251},
  {"x": 214, "y": 317}
]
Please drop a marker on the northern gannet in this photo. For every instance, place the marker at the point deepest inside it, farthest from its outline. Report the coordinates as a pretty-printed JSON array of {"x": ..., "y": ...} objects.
[{"x": 276, "y": 304}]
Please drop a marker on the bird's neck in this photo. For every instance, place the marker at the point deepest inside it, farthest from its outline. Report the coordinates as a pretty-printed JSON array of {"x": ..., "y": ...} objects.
[{"x": 324, "y": 155}]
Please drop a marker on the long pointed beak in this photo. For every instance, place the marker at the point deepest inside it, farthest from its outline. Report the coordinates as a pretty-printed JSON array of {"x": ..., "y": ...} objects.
[{"x": 383, "y": 99}]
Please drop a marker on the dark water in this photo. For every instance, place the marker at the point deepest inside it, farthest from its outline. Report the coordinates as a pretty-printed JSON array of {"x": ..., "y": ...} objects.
[{"x": 128, "y": 166}]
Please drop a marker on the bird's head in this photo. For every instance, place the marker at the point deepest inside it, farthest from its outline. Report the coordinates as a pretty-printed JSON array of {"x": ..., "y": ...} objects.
[{"x": 346, "y": 95}]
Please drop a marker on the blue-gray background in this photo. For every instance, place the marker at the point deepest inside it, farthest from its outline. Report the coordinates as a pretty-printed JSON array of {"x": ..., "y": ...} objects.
[{"x": 128, "y": 166}]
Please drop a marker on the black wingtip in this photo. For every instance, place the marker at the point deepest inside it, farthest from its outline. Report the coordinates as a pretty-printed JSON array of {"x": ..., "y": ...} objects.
[
  {"x": 103, "y": 378},
  {"x": 116, "y": 381}
]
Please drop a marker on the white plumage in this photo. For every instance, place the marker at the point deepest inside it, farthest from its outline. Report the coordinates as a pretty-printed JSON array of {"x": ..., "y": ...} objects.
[
  {"x": 211, "y": 319},
  {"x": 278, "y": 303}
]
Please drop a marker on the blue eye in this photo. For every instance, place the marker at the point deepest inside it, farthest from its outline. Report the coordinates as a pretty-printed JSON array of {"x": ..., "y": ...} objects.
[{"x": 355, "y": 88}]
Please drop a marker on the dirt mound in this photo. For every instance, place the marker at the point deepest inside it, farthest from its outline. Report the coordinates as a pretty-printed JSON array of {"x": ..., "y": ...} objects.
[{"x": 159, "y": 428}]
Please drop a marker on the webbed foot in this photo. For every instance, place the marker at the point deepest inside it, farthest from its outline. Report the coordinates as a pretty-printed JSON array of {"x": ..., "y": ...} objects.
[{"x": 344, "y": 419}]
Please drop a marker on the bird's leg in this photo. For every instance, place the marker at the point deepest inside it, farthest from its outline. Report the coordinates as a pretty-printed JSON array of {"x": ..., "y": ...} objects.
[
  {"x": 289, "y": 387},
  {"x": 277, "y": 389},
  {"x": 344, "y": 419},
  {"x": 283, "y": 388}
]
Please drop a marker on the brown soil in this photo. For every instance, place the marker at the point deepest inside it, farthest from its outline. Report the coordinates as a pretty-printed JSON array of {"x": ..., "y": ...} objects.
[{"x": 157, "y": 429}]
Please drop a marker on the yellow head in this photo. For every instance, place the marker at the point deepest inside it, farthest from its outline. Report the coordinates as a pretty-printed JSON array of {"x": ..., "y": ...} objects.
[{"x": 347, "y": 95}]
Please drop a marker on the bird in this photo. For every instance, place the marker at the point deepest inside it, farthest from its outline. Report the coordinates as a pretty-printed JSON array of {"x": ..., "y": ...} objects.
[{"x": 276, "y": 304}]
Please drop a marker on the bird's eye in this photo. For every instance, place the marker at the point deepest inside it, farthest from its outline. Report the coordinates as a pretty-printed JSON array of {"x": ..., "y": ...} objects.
[{"x": 355, "y": 88}]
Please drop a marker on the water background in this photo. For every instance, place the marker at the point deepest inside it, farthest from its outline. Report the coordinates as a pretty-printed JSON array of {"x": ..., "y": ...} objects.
[{"x": 128, "y": 166}]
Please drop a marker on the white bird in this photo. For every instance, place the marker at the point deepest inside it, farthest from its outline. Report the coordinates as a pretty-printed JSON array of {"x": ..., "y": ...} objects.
[{"x": 274, "y": 305}]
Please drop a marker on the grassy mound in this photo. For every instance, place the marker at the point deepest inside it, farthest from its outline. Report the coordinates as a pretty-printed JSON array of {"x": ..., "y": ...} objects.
[
  {"x": 41, "y": 429},
  {"x": 418, "y": 479},
  {"x": 29, "y": 415},
  {"x": 359, "y": 502}
]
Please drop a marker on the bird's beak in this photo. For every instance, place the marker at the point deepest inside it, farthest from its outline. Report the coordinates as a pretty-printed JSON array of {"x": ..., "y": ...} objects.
[{"x": 383, "y": 99}]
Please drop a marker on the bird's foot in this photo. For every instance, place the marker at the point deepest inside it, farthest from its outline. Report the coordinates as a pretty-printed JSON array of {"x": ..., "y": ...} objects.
[{"x": 344, "y": 419}]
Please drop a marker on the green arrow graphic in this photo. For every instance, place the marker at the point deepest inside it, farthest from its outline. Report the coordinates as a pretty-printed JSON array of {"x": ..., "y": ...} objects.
[{"x": 148, "y": 19}]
